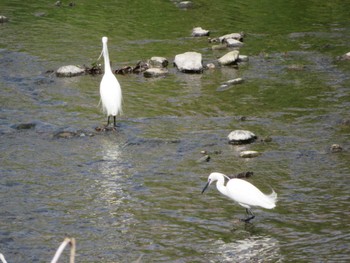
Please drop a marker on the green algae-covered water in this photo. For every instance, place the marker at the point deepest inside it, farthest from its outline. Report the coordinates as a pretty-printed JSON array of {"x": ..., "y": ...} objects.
[{"x": 137, "y": 192}]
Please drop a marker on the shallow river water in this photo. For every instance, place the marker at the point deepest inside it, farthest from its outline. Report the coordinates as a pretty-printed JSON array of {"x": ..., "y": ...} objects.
[{"x": 137, "y": 192}]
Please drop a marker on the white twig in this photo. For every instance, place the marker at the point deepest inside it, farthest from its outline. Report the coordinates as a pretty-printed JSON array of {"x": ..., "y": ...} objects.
[
  {"x": 60, "y": 249},
  {"x": 2, "y": 258}
]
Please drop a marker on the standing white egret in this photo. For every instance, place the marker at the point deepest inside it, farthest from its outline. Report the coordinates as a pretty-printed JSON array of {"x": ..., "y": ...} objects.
[
  {"x": 242, "y": 192},
  {"x": 110, "y": 91}
]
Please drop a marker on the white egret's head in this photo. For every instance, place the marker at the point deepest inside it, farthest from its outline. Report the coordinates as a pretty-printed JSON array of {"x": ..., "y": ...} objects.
[
  {"x": 212, "y": 178},
  {"x": 104, "y": 40},
  {"x": 104, "y": 43}
]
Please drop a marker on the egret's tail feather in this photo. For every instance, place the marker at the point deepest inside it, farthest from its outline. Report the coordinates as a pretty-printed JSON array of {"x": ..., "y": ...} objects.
[{"x": 272, "y": 198}]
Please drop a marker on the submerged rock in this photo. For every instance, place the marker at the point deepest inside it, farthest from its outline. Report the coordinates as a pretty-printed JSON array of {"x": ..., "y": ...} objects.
[
  {"x": 241, "y": 137},
  {"x": 242, "y": 175},
  {"x": 226, "y": 85},
  {"x": 24, "y": 126},
  {"x": 71, "y": 134},
  {"x": 249, "y": 154},
  {"x": 219, "y": 47},
  {"x": 336, "y": 148},
  {"x": 155, "y": 72},
  {"x": 199, "y": 32},
  {"x": 229, "y": 58},
  {"x": 345, "y": 122},
  {"x": 185, "y": 4},
  {"x": 69, "y": 71},
  {"x": 65, "y": 134},
  {"x": 189, "y": 62},
  {"x": 203, "y": 159}
]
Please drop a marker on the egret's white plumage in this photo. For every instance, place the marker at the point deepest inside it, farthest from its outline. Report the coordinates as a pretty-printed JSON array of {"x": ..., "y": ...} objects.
[
  {"x": 242, "y": 192},
  {"x": 110, "y": 91}
]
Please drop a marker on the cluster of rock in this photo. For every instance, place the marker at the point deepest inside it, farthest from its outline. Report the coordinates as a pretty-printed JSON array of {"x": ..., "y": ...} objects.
[{"x": 187, "y": 62}]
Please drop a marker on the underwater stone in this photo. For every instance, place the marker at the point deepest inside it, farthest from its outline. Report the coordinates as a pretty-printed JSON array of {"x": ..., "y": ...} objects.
[{"x": 155, "y": 72}]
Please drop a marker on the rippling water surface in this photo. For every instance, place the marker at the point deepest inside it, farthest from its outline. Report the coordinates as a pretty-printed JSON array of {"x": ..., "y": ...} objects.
[{"x": 136, "y": 192}]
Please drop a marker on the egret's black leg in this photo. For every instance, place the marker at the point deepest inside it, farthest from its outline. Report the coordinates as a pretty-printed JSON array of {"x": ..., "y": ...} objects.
[
  {"x": 250, "y": 215},
  {"x": 114, "y": 121},
  {"x": 108, "y": 121}
]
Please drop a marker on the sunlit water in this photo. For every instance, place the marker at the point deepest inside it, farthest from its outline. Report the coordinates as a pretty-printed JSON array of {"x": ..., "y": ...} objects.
[{"x": 137, "y": 192}]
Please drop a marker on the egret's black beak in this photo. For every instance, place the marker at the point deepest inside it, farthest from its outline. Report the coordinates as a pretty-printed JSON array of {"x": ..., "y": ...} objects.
[{"x": 206, "y": 186}]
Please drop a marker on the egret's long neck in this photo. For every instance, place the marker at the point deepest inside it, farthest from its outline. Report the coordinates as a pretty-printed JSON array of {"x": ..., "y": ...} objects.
[
  {"x": 106, "y": 58},
  {"x": 220, "y": 185}
]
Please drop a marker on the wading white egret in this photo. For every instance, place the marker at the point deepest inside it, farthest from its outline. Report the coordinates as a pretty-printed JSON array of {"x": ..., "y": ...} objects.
[
  {"x": 242, "y": 192},
  {"x": 110, "y": 91}
]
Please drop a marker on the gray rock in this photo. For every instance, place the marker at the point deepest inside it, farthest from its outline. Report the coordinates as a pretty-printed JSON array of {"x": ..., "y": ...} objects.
[
  {"x": 158, "y": 62},
  {"x": 155, "y": 72},
  {"x": 199, "y": 32},
  {"x": 241, "y": 137},
  {"x": 189, "y": 62},
  {"x": 229, "y": 58},
  {"x": 69, "y": 71}
]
